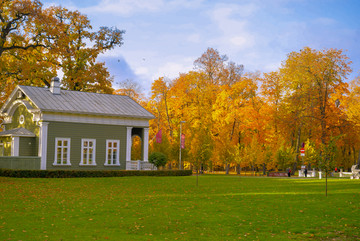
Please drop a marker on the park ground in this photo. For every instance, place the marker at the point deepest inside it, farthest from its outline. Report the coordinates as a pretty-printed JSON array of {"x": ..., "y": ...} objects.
[{"x": 176, "y": 208}]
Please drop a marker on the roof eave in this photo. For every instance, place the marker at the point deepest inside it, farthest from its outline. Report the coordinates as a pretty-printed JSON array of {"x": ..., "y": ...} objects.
[
  {"x": 14, "y": 135},
  {"x": 8, "y": 101},
  {"x": 97, "y": 114}
]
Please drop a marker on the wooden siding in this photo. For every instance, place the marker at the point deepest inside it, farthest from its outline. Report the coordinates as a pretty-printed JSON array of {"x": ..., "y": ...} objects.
[
  {"x": 20, "y": 162},
  {"x": 27, "y": 146},
  {"x": 78, "y": 131}
]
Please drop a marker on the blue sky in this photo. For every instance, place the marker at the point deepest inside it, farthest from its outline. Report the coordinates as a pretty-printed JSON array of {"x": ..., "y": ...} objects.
[{"x": 164, "y": 38}]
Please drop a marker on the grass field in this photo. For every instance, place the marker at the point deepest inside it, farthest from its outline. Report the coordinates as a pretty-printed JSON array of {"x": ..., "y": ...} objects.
[{"x": 174, "y": 208}]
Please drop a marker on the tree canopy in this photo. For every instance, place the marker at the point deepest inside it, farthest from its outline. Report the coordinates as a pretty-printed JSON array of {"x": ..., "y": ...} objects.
[
  {"x": 36, "y": 42},
  {"x": 248, "y": 121}
]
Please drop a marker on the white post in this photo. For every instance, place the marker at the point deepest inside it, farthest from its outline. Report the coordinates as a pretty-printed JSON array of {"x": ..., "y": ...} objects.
[
  {"x": 146, "y": 144},
  {"x": 320, "y": 175},
  {"x": 301, "y": 173},
  {"x": 128, "y": 143},
  {"x": 43, "y": 144},
  {"x": 139, "y": 165},
  {"x": 15, "y": 146},
  {"x": 341, "y": 173}
]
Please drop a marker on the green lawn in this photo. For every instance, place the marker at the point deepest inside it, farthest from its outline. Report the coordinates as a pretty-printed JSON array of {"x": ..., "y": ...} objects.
[{"x": 170, "y": 208}]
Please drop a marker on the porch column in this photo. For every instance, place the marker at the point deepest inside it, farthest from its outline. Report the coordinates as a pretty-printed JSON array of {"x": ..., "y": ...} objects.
[
  {"x": 146, "y": 144},
  {"x": 128, "y": 143},
  {"x": 43, "y": 144},
  {"x": 15, "y": 146}
]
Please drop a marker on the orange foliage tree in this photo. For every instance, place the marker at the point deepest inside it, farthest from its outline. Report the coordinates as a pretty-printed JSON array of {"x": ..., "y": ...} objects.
[
  {"x": 36, "y": 42},
  {"x": 248, "y": 121}
]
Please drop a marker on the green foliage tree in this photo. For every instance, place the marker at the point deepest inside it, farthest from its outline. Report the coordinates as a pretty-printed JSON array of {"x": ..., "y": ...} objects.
[
  {"x": 158, "y": 159},
  {"x": 285, "y": 156},
  {"x": 311, "y": 153},
  {"x": 327, "y": 158}
]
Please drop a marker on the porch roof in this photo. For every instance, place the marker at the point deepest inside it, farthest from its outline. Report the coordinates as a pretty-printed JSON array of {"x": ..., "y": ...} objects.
[{"x": 20, "y": 132}]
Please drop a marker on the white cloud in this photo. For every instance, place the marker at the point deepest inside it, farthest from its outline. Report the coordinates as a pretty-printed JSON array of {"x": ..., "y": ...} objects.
[
  {"x": 141, "y": 71},
  {"x": 125, "y": 7},
  {"x": 129, "y": 7},
  {"x": 244, "y": 41},
  {"x": 173, "y": 69},
  {"x": 232, "y": 21},
  {"x": 194, "y": 38},
  {"x": 185, "y": 3},
  {"x": 325, "y": 21}
]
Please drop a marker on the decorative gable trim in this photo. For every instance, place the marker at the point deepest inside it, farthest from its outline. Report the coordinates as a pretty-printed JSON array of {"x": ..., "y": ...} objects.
[{"x": 14, "y": 105}]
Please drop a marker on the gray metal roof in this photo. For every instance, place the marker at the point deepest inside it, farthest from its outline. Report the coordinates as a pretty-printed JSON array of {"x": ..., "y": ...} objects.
[
  {"x": 85, "y": 103},
  {"x": 18, "y": 132}
]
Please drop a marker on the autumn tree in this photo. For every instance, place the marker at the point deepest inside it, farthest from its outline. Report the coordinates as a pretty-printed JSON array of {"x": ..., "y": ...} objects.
[
  {"x": 217, "y": 69},
  {"x": 190, "y": 102},
  {"x": 77, "y": 49},
  {"x": 353, "y": 111},
  {"x": 312, "y": 79},
  {"x": 132, "y": 89},
  {"x": 21, "y": 23},
  {"x": 160, "y": 98},
  {"x": 161, "y": 106},
  {"x": 272, "y": 92},
  {"x": 22, "y": 42},
  {"x": 229, "y": 117},
  {"x": 259, "y": 120},
  {"x": 353, "y": 116},
  {"x": 36, "y": 42}
]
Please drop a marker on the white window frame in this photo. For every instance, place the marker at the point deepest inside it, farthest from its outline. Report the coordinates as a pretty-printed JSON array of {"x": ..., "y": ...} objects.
[
  {"x": 21, "y": 119},
  {"x": 86, "y": 162},
  {"x": 57, "y": 139},
  {"x": 117, "y": 161}
]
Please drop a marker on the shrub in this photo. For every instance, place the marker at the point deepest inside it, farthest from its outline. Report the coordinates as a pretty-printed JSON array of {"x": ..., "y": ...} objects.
[
  {"x": 69, "y": 174},
  {"x": 158, "y": 159}
]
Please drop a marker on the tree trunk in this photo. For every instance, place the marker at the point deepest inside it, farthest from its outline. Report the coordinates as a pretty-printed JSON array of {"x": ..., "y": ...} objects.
[
  {"x": 197, "y": 176},
  {"x": 294, "y": 168},
  {"x": 298, "y": 139},
  {"x": 264, "y": 169},
  {"x": 227, "y": 167},
  {"x": 238, "y": 169},
  {"x": 326, "y": 183}
]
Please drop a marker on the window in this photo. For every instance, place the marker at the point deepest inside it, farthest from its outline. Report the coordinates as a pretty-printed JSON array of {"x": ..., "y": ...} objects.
[
  {"x": 1, "y": 149},
  {"x": 21, "y": 119},
  {"x": 62, "y": 151},
  {"x": 88, "y": 147},
  {"x": 112, "y": 152}
]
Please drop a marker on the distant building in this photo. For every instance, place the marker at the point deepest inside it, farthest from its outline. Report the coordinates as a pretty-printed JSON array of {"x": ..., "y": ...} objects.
[{"x": 50, "y": 128}]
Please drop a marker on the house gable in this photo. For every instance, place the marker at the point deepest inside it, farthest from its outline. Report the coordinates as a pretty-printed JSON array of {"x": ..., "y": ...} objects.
[{"x": 17, "y": 100}]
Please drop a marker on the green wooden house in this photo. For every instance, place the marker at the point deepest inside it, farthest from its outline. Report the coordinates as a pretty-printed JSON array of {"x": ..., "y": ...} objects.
[{"x": 51, "y": 128}]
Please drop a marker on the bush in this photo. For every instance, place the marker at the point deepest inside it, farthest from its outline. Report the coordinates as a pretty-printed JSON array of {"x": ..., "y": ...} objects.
[
  {"x": 158, "y": 159},
  {"x": 70, "y": 174}
]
